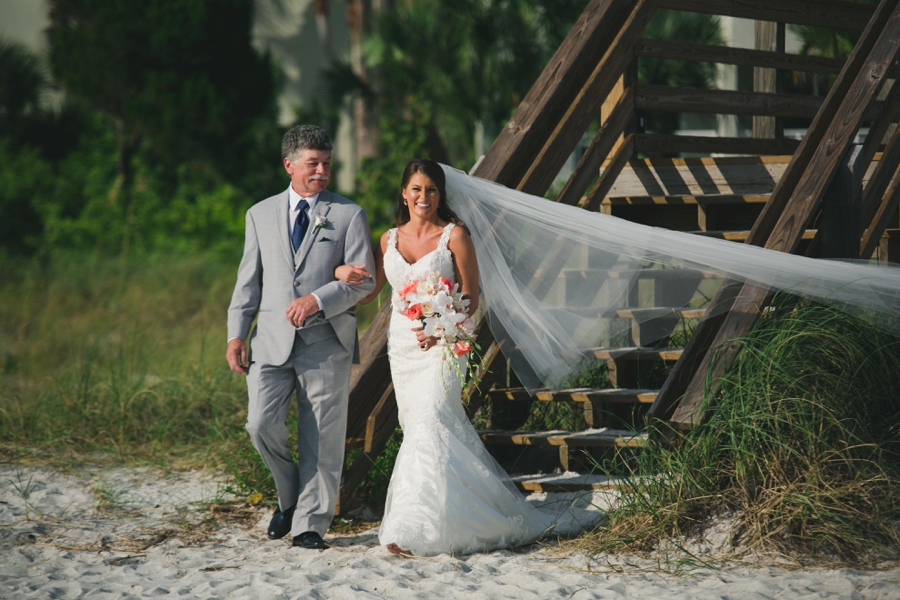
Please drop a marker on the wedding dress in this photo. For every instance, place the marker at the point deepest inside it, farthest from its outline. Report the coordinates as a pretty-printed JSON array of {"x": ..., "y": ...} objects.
[{"x": 447, "y": 494}]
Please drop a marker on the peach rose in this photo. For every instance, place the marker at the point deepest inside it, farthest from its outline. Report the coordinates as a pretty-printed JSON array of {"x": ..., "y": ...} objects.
[
  {"x": 414, "y": 312},
  {"x": 460, "y": 348},
  {"x": 410, "y": 287}
]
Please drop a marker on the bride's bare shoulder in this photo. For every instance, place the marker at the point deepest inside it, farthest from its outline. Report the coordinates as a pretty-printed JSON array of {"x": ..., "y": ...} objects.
[
  {"x": 459, "y": 234},
  {"x": 460, "y": 240}
]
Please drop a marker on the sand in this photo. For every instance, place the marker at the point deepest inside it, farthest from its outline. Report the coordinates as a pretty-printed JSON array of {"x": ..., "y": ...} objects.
[{"x": 101, "y": 532}]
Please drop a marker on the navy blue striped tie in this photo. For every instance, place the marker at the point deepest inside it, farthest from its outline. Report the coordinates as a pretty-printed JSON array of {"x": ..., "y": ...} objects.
[{"x": 300, "y": 225}]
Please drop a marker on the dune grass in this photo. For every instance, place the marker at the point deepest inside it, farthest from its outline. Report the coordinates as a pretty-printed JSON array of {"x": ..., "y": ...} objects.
[
  {"x": 125, "y": 361},
  {"x": 113, "y": 356},
  {"x": 799, "y": 452}
]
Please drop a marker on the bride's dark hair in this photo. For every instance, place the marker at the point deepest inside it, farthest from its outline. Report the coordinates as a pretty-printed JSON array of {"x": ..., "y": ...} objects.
[{"x": 434, "y": 172}]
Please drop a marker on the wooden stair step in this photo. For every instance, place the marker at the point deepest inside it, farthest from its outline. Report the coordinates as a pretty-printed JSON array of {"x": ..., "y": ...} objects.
[
  {"x": 705, "y": 199},
  {"x": 639, "y": 273},
  {"x": 741, "y": 236},
  {"x": 635, "y": 353},
  {"x": 594, "y": 438},
  {"x": 568, "y": 482},
  {"x": 611, "y": 396},
  {"x": 654, "y": 312}
]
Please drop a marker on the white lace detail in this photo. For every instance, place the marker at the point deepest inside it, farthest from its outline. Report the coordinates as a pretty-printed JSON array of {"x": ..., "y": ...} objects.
[{"x": 447, "y": 494}]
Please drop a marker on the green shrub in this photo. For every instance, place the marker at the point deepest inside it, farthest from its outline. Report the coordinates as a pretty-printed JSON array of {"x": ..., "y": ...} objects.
[{"x": 800, "y": 448}]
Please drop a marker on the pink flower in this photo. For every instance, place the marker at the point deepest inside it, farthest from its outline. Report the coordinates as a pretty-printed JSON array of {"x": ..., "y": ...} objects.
[
  {"x": 414, "y": 312},
  {"x": 460, "y": 348},
  {"x": 447, "y": 283},
  {"x": 410, "y": 287}
]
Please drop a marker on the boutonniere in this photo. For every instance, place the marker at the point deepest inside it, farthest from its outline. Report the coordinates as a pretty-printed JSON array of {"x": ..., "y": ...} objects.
[{"x": 320, "y": 221}]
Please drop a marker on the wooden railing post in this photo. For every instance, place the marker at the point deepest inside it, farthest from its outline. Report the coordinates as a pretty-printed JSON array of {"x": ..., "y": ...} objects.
[{"x": 769, "y": 37}]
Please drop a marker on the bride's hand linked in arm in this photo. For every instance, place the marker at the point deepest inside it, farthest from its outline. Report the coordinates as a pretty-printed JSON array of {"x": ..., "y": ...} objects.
[{"x": 355, "y": 274}]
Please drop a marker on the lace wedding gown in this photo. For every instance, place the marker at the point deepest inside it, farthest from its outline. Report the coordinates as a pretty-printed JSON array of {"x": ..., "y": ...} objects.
[{"x": 447, "y": 494}]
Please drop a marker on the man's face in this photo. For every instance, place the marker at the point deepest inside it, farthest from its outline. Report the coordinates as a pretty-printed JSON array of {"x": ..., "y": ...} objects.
[{"x": 311, "y": 172}]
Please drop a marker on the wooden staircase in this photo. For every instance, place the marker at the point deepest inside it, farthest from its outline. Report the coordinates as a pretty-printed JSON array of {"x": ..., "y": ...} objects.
[{"x": 780, "y": 193}]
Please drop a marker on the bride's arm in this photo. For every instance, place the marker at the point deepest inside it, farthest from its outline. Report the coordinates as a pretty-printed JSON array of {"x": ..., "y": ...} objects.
[
  {"x": 354, "y": 274},
  {"x": 466, "y": 266}
]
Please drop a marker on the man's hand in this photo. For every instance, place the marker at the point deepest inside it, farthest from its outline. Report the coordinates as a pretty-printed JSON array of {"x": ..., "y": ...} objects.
[
  {"x": 300, "y": 309},
  {"x": 236, "y": 355}
]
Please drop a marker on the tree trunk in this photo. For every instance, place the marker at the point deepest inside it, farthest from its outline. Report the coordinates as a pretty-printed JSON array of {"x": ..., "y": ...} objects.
[
  {"x": 360, "y": 16},
  {"x": 323, "y": 27}
]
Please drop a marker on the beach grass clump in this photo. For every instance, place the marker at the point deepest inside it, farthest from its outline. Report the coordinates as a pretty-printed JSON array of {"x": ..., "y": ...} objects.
[
  {"x": 124, "y": 360},
  {"x": 798, "y": 452},
  {"x": 121, "y": 357}
]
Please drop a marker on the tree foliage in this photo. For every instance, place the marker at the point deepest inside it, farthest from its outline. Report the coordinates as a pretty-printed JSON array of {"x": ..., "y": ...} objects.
[
  {"x": 444, "y": 71},
  {"x": 165, "y": 133},
  {"x": 181, "y": 73}
]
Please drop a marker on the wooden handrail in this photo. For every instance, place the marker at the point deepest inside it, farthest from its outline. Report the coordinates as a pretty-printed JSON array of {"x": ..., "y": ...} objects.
[
  {"x": 835, "y": 14},
  {"x": 658, "y": 143},
  {"x": 646, "y": 48},
  {"x": 697, "y": 100}
]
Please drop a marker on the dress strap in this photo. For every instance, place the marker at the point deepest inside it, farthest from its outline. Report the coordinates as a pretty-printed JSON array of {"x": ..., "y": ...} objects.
[
  {"x": 392, "y": 238},
  {"x": 445, "y": 236}
]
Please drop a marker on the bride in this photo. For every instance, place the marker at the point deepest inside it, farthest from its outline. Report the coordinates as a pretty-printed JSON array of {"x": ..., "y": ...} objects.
[{"x": 447, "y": 494}]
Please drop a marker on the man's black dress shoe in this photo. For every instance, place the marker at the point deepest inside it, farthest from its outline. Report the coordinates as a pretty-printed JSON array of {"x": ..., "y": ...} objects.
[
  {"x": 280, "y": 525},
  {"x": 310, "y": 540}
]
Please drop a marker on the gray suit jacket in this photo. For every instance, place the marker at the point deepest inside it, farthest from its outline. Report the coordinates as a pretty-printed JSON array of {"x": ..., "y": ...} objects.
[{"x": 270, "y": 276}]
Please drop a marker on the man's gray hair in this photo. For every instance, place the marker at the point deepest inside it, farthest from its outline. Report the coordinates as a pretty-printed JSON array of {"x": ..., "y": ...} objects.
[{"x": 304, "y": 137}]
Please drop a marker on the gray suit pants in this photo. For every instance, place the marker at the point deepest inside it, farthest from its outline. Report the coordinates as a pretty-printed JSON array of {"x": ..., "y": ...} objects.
[{"x": 320, "y": 375}]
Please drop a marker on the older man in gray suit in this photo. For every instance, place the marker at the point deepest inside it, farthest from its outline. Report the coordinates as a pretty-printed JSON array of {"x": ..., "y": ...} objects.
[{"x": 305, "y": 338}]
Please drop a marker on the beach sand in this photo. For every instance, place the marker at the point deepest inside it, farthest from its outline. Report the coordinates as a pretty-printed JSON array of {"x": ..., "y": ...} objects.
[{"x": 101, "y": 532}]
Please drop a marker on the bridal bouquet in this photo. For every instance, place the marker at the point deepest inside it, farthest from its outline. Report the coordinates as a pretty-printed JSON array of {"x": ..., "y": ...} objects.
[{"x": 437, "y": 303}]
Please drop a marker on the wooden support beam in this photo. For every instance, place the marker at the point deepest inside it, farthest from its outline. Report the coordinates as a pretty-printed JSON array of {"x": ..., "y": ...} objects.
[
  {"x": 656, "y": 143},
  {"x": 877, "y": 131},
  {"x": 545, "y": 105},
  {"x": 372, "y": 376},
  {"x": 381, "y": 423},
  {"x": 881, "y": 221},
  {"x": 730, "y": 102},
  {"x": 598, "y": 150},
  {"x": 835, "y": 14},
  {"x": 881, "y": 178},
  {"x": 484, "y": 377},
  {"x": 817, "y": 176},
  {"x": 586, "y": 105},
  {"x": 608, "y": 177}
]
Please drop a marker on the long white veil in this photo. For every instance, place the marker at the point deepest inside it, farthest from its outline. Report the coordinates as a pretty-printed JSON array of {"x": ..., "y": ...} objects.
[{"x": 557, "y": 279}]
